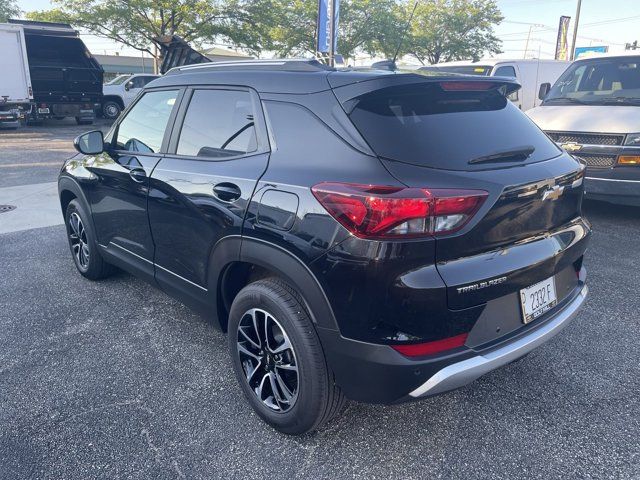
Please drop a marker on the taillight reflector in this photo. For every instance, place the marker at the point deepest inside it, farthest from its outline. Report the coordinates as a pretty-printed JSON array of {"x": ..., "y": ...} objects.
[
  {"x": 370, "y": 211},
  {"x": 431, "y": 348}
]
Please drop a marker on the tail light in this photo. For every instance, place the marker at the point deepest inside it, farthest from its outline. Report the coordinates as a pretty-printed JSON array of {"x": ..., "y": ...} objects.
[
  {"x": 431, "y": 348},
  {"x": 466, "y": 86},
  {"x": 370, "y": 211}
]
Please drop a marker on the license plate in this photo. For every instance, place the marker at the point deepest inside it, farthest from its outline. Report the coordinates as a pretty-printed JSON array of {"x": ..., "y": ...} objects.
[
  {"x": 43, "y": 110},
  {"x": 538, "y": 299}
]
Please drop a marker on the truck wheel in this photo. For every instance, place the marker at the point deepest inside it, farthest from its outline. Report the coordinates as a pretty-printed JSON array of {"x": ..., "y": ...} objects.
[
  {"x": 111, "y": 109},
  {"x": 278, "y": 359}
]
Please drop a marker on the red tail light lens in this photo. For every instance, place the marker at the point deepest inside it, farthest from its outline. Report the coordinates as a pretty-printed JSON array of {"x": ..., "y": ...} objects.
[
  {"x": 370, "y": 211},
  {"x": 431, "y": 348},
  {"x": 466, "y": 86}
]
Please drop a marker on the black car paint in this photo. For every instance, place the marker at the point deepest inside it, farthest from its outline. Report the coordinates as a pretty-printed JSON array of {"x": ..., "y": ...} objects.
[{"x": 362, "y": 294}]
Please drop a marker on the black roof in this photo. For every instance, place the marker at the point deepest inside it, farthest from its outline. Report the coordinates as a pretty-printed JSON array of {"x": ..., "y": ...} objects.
[{"x": 296, "y": 76}]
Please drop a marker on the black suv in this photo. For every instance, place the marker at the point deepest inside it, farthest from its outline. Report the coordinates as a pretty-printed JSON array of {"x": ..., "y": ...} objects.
[{"x": 366, "y": 234}]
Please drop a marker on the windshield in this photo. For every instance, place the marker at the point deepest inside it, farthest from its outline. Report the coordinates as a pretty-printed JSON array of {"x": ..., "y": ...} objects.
[
  {"x": 601, "y": 81},
  {"x": 119, "y": 80},
  {"x": 481, "y": 70}
]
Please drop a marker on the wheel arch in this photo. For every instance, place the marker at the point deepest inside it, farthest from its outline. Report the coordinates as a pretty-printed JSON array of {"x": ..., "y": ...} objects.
[
  {"x": 69, "y": 189},
  {"x": 242, "y": 261},
  {"x": 114, "y": 98}
]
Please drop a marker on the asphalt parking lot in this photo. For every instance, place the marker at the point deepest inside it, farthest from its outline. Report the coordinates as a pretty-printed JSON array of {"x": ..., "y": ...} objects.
[{"x": 114, "y": 379}]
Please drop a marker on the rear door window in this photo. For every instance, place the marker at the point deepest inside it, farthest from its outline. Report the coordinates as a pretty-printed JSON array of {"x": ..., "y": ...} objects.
[
  {"x": 218, "y": 124},
  {"x": 143, "y": 128},
  {"x": 424, "y": 125}
]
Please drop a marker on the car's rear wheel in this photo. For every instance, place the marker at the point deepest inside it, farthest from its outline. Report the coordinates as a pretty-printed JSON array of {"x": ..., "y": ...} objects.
[
  {"x": 83, "y": 244},
  {"x": 278, "y": 359}
]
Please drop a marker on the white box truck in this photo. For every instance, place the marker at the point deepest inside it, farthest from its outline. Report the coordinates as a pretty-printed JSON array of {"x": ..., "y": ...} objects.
[
  {"x": 16, "y": 94},
  {"x": 529, "y": 73}
]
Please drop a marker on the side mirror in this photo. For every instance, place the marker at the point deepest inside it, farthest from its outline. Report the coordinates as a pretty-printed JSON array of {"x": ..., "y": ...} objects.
[
  {"x": 90, "y": 143},
  {"x": 544, "y": 90},
  {"x": 128, "y": 86}
]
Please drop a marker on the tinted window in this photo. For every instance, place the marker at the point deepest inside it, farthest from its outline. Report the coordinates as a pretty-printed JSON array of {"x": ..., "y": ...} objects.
[
  {"x": 506, "y": 71},
  {"x": 218, "y": 123},
  {"x": 142, "y": 130},
  {"x": 425, "y": 125},
  {"x": 601, "y": 80}
]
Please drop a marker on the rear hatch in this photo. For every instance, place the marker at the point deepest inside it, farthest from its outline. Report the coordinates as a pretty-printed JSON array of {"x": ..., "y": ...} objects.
[{"x": 463, "y": 133}]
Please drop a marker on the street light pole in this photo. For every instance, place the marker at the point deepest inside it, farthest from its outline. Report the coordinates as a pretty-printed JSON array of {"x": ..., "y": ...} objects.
[{"x": 575, "y": 30}]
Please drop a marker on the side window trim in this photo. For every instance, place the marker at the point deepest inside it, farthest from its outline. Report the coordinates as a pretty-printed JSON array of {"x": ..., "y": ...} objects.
[
  {"x": 259, "y": 121},
  {"x": 113, "y": 133}
]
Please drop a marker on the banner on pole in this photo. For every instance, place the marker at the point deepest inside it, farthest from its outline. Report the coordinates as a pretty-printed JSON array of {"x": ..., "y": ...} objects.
[
  {"x": 562, "y": 43},
  {"x": 327, "y": 28}
]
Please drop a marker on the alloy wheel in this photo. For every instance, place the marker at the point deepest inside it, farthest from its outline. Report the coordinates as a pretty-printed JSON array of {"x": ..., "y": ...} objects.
[
  {"x": 268, "y": 360},
  {"x": 78, "y": 239}
]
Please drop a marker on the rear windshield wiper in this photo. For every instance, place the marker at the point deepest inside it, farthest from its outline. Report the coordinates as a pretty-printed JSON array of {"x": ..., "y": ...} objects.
[
  {"x": 564, "y": 99},
  {"x": 516, "y": 155}
]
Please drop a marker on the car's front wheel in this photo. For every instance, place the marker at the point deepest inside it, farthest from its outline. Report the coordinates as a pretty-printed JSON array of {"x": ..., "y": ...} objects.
[
  {"x": 83, "y": 244},
  {"x": 278, "y": 359}
]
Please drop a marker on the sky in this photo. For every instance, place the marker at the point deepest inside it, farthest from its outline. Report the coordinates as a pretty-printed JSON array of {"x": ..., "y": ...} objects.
[{"x": 602, "y": 22}]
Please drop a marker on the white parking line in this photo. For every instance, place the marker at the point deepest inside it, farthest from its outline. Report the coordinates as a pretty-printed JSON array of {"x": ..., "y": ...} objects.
[{"x": 37, "y": 205}]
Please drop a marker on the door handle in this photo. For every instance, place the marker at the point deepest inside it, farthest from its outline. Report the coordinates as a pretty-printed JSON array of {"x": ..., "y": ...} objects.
[
  {"x": 138, "y": 175},
  {"x": 227, "y": 192}
]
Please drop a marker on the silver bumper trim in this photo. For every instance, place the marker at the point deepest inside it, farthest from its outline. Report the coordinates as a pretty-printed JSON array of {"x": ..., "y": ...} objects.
[{"x": 462, "y": 373}]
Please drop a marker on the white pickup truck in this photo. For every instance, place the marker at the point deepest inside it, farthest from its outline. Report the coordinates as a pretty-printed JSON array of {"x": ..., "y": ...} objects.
[
  {"x": 119, "y": 92},
  {"x": 16, "y": 94}
]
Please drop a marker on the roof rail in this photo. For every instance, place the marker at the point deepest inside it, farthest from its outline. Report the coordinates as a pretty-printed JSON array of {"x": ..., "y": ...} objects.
[{"x": 284, "y": 64}]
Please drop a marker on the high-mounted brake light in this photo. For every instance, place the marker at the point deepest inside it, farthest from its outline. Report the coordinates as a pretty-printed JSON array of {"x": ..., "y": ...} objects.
[
  {"x": 378, "y": 212},
  {"x": 431, "y": 348},
  {"x": 466, "y": 86}
]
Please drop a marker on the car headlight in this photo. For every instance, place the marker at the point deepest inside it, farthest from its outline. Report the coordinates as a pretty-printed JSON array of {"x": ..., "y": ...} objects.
[{"x": 633, "y": 139}]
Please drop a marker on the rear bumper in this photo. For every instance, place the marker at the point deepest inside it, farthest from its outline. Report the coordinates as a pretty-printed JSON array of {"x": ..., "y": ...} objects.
[
  {"x": 376, "y": 373},
  {"x": 462, "y": 373}
]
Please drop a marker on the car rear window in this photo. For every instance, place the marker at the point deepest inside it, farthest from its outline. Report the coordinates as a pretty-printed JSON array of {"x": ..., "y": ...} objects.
[{"x": 424, "y": 125}]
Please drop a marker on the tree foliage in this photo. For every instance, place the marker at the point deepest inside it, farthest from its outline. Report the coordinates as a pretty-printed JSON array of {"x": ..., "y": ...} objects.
[
  {"x": 9, "y": 9},
  {"x": 446, "y": 30},
  {"x": 441, "y": 30},
  {"x": 137, "y": 23}
]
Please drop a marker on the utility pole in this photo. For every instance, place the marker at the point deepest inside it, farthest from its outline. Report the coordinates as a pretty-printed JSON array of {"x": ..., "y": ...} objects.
[{"x": 575, "y": 30}]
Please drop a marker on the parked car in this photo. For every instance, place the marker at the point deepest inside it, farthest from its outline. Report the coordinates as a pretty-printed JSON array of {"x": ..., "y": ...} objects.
[
  {"x": 120, "y": 92},
  {"x": 16, "y": 94},
  {"x": 334, "y": 224},
  {"x": 593, "y": 111},
  {"x": 529, "y": 73},
  {"x": 66, "y": 78}
]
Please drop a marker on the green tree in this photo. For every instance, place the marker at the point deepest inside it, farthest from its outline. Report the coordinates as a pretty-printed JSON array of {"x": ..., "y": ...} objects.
[
  {"x": 288, "y": 27},
  {"x": 446, "y": 30},
  {"x": 9, "y": 9},
  {"x": 138, "y": 23}
]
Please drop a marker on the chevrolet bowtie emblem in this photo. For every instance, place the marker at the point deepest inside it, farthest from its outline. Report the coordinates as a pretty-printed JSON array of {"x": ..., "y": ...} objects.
[
  {"x": 553, "y": 193},
  {"x": 571, "y": 147}
]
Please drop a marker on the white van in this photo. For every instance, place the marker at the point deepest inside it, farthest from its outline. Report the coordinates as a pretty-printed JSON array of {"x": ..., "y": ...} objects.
[
  {"x": 529, "y": 73},
  {"x": 593, "y": 112}
]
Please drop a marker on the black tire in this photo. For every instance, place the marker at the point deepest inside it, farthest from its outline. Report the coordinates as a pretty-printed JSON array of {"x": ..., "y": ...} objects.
[
  {"x": 83, "y": 244},
  {"x": 111, "y": 109},
  {"x": 317, "y": 398}
]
